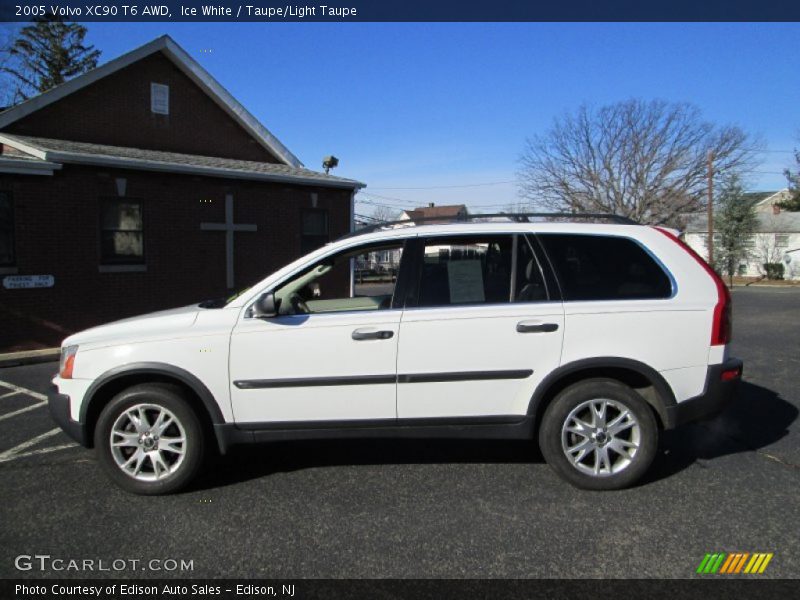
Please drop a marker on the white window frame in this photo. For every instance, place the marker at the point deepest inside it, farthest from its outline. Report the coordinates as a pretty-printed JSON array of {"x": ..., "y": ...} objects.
[{"x": 156, "y": 107}]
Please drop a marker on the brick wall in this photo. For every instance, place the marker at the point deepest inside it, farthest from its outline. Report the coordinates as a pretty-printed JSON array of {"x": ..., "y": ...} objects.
[
  {"x": 116, "y": 110},
  {"x": 56, "y": 228}
]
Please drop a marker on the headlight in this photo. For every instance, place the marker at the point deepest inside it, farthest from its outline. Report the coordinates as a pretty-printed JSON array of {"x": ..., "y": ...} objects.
[{"x": 67, "y": 361}]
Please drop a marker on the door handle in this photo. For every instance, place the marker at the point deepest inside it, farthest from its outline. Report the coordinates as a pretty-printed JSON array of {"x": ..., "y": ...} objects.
[
  {"x": 526, "y": 327},
  {"x": 360, "y": 335}
]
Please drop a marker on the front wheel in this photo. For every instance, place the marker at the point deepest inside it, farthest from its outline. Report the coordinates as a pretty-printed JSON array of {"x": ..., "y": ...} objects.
[
  {"x": 149, "y": 439},
  {"x": 599, "y": 434}
]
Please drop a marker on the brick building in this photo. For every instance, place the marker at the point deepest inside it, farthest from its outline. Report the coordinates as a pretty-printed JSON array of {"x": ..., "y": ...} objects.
[{"x": 143, "y": 185}]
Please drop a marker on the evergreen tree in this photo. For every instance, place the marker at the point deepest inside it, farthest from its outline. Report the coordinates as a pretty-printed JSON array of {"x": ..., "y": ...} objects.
[
  {"x": 46, "y": 54},
  {"x": 735, "y": 225}
]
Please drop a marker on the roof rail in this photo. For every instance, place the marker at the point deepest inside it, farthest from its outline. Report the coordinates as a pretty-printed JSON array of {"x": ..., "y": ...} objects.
[{"x": 514, "y": 217}]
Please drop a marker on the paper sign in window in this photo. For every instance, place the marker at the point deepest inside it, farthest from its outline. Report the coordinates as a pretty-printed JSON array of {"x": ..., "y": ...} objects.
[{"x": 465, "y": 278}]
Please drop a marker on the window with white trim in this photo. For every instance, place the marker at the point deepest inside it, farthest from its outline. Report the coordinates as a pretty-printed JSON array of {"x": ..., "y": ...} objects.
[
  {"x": 159, "y": 98},
  {"x": 121, "y": 232}
]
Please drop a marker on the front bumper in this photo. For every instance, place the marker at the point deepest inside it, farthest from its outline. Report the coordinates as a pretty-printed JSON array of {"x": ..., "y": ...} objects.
[
  {"x": 59, "y": 410},
  {"x": 718, "y": 394}
]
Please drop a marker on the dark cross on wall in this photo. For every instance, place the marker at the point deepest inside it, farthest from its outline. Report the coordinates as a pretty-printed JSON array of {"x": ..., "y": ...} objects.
[{"x": 229, "y": 227}]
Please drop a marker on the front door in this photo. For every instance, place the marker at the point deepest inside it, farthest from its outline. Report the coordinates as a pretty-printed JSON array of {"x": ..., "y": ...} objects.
[
  {"x": 331, "y": 353},
  {"x": 484, "y": 331}
]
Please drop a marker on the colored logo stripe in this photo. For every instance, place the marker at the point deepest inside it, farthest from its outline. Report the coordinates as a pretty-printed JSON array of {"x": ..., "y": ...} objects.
[{"x": 722, "y": 562}]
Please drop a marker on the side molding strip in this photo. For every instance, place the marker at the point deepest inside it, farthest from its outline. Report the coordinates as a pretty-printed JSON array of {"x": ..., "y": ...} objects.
[
  {"x": 463, "y": 376},
  {"x": 258, "y": 384}
]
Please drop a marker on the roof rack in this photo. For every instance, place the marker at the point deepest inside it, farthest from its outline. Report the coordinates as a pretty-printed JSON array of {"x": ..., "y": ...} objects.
[{"x": 514, "y": 217}]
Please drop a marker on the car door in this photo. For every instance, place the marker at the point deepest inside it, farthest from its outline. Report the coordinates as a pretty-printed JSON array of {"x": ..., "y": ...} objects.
[
  {"x": 481, "y": 331},
  {"x": 331, "y": 352}
]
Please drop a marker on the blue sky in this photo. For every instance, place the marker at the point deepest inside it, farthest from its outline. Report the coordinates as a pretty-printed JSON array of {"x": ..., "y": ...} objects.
[{"x": 434, "y": 105}]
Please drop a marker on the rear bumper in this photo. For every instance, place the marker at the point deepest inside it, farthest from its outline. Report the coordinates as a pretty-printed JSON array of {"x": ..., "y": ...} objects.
[
  {"x": 722, "y": 386},
  {"x": 59, "y": 410}
]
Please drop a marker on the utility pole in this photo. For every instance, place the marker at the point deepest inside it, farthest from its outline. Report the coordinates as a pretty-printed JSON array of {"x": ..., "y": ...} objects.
[{"x": 711, "y": 207}]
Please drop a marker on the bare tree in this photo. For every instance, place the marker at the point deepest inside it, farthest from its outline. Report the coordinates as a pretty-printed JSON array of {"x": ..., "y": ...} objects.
[
  {"x": 768, "y": 251},
  {"x": 646, "y": 160},
  {"x": 382, "y": 214}
]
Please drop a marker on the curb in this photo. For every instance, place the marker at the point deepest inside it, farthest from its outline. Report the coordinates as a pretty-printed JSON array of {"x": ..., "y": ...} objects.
[{"x": 29, "y": 357}]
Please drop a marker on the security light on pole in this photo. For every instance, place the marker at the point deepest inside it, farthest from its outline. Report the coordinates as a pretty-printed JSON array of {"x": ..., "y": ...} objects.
[{"x": 330, "y": 162}]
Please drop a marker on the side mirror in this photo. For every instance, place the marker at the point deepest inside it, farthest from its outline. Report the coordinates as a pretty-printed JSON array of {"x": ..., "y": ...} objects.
[{"x": 265, "y": 307}]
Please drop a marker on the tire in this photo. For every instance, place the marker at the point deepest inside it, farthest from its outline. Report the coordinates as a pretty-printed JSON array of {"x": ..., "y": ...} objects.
[
  {"x": 141, "y": 461},
  {"x": 581, "y": 441}
]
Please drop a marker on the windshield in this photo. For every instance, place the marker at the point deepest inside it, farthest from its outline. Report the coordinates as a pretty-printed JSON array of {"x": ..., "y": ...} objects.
[{"x": 220, "y": 302}]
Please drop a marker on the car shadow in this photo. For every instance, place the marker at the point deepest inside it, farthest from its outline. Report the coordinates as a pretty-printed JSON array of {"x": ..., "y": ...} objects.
[
  {"x": 243, "y": 463},
  {"x": 757, "y": 418}
]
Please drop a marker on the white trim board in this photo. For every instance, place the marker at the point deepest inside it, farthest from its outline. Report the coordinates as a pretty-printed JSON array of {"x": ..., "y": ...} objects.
[{"x": 189, "y": 66}]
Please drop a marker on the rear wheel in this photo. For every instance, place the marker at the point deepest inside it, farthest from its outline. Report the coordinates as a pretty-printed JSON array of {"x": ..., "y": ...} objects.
[
  {"x": 149, "y": 439},
  {"x": 599, "y": 434}
]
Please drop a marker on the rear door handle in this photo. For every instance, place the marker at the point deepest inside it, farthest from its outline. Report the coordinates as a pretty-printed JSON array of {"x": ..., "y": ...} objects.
[
  {"x": 363, "y": 334},
  {"x": 527, "y": 327}
]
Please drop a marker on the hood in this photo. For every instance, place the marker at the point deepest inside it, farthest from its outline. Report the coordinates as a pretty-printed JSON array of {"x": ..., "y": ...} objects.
[{"x": 161, "y": 324}]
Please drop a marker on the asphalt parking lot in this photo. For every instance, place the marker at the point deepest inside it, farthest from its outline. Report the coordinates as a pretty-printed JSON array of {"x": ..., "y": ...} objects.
[{"x": 429, "y": 509}]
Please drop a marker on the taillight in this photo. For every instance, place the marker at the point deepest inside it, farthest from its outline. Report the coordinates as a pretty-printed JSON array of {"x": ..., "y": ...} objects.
[
  {"x": 722, "y": 326},
  {"x": 67, "y": 361},
  {"x": 731, "y": 374}
]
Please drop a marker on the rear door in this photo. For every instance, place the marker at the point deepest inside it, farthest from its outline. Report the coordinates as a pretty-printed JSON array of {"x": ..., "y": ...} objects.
[{"x": 480, "y": 331}]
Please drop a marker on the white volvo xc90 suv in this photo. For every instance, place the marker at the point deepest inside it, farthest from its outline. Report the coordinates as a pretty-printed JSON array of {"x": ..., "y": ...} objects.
[{"x": 591, "y": 337}]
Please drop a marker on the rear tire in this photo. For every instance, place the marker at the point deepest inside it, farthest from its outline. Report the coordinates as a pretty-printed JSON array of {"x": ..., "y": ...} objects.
[
  {"x": 149, "y": 440},
  {"x": 599, "y": 434}
]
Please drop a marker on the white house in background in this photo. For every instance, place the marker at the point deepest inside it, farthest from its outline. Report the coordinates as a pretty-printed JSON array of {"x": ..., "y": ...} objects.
[
  {"x": 765, "y": 202},
  {"x": 433, "y": 213},
  {"x": 777, "y": 237},
  {"x": 388, "y": 261}
]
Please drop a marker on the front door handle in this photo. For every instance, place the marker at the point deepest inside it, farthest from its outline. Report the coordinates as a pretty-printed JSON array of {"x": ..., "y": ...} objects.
[
  {"x": 362, "y": 334},
  {"x": 527, "y": 327}
]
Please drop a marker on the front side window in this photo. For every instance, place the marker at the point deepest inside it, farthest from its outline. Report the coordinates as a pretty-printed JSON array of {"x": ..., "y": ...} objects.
[
  {"x": 597, "y": 267},
  {"x": 493, "y": 269},
  {"x": 121, "y": 232},
  {"x": 314, "y": 229},
  {"x": 6, "y": 229},
  {"x": 326, "y": 286}
]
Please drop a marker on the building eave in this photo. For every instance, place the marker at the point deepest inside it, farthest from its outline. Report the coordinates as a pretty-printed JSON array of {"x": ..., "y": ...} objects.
[
  {"x": 148, "y": 165},
  {"x": 21, "y": 166},
  {"x": 59, "y": 157}
]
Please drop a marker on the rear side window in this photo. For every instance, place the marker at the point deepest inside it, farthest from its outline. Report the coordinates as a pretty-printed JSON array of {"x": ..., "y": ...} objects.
[
  {"x": 468, "y": 270},
  {"x": 487, "y": 269},
  {"x": 596, "y": 267}
]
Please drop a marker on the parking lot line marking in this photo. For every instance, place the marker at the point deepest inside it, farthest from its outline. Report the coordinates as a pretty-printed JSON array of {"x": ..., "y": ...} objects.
[
  {"x": 23, "y": 410},
  {"x": 41, "y": 451},
  {"x": 10, "y": 394},
  {"x": 22, "y": 390},
  {"x": 12, "y": 453}
]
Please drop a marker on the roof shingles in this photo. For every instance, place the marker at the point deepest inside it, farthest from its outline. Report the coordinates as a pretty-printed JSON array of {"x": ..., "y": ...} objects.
[{"x": 82, "y": 152}]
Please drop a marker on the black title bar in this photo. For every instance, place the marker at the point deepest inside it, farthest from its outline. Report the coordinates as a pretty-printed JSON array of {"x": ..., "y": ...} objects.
[{"x": 270, "y": 11}]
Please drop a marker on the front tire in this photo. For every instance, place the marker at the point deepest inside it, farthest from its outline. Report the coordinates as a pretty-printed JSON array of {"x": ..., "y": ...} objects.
[
  {"x": 149, "y": 439},
  {"x": 599, "y": 434}
]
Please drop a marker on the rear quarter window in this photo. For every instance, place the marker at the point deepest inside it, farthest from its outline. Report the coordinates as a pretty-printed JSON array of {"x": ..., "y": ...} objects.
[{"x": 598, "y": 267}]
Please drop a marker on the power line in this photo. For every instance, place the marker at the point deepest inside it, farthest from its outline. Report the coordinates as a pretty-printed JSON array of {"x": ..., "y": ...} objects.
[{"x": 447, "y": 187}]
